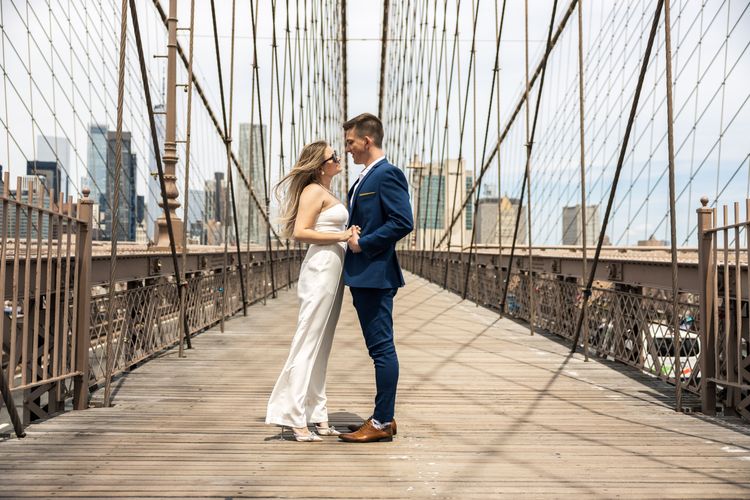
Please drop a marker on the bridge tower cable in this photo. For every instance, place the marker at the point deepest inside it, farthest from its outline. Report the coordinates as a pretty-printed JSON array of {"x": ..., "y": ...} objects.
[
  {"x": 185, "y": 332},
  {"x": 529, "y": 145},
  {"x": 495, "y": 82},
  {"x": 618, "y": 170}
]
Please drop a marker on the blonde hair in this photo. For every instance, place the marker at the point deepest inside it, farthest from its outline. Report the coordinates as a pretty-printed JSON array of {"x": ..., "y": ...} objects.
[{"x": 289, "y": 189}]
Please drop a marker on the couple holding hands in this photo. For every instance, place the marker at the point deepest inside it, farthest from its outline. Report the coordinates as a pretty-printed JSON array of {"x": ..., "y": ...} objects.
[{"x": 354, "y": 247}]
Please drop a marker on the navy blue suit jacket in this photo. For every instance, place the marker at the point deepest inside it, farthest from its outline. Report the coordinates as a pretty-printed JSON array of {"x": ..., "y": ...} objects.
[{"x": 383, "y": 211}]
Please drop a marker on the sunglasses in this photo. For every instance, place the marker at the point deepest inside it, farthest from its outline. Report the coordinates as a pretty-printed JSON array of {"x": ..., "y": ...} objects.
[{"x": 334, "y": 157}]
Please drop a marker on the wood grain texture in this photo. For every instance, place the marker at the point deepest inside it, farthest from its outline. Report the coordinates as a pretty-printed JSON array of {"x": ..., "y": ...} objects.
[{"x": 484, "y": 411}]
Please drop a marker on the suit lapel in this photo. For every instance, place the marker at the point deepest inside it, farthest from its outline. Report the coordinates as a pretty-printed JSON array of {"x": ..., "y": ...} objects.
[{"x": 358, "y": 189}]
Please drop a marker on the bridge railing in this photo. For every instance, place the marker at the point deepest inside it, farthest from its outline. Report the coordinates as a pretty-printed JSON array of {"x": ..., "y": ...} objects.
[
  {"x": 724, "y": 252},
  {"x": 54, "y": 283},
  {"x": 147, "y": 312},
  {"x": 43, "y": 246},
  {"x": 625, "y": 323}
]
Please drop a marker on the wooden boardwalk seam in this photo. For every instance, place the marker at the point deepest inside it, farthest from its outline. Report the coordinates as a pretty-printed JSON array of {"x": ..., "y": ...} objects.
[{"x": 484, "y": 411}]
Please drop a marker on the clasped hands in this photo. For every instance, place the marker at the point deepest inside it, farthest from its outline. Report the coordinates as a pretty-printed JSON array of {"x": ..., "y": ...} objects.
[{"x": 351, "y": 236}]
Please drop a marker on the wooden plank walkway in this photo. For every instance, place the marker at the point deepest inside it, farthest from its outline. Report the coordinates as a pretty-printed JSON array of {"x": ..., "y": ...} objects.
[{"x": 484, "y": 411}]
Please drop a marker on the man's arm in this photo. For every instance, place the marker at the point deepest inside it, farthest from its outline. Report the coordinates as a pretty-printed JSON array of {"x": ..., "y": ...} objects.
[{"x": 394, "y": 198}]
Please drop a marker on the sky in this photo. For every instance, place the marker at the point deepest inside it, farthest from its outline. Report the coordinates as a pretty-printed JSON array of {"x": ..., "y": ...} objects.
[{"x": 77, "y": 43}]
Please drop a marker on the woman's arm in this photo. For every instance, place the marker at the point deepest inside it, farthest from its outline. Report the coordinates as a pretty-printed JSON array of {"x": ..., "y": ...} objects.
[{"x": 310, "y": 205}]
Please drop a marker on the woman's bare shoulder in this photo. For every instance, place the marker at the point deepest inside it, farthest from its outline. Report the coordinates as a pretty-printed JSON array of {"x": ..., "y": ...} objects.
[
  {"x": 313, "y": 192},
  {"x": 313, "y": 187}
]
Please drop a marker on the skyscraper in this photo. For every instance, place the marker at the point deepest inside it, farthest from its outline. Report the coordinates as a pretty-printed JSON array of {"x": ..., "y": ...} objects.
[
  {"x": 49, "y": 171},
  {"x": 56, "y": 150},
  {"x": 126, "y": 214},
  {"x": 215, "y": 195},
  {"x": 440, "y": 198},
  {"x": 96, "y": 165},
  {"x": 196, "y": 212},
  {"x": 29, "y": 184},
  {"x": 572, "y": 226},
  {"x": 251, "y": 164},
  {"x": 488, "y": 222}
]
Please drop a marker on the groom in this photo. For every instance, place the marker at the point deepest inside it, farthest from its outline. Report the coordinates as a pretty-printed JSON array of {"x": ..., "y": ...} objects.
[{"x": 379, "y": 205}]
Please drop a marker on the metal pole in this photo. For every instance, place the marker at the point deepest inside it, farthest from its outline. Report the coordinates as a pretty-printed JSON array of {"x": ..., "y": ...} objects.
[
  {"x": 676, "y": 340},
  {"x": 170, "y": 139},
  {"x": 83, "y": 318},
  {"x": 707, "y": 276},
  {"x": 172, "y": 239},
  {"x": 11, "y": 406}
]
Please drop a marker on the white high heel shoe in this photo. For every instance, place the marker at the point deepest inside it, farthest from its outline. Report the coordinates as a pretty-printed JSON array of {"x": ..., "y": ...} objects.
[
  {"x": 327, "y": 430},
  {"x": 305, "y": 438}
]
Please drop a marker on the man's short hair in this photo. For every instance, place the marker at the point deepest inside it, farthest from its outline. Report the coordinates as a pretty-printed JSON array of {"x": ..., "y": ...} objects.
[{"x": 367, "y": 124}]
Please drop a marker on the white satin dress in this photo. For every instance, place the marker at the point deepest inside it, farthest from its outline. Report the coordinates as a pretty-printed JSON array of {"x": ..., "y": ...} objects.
[{"x": 299, "y": 396}]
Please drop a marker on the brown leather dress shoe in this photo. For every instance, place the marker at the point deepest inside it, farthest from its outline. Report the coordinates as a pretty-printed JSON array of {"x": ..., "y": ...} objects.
[
  {"x": 355, "y": 427},
  {"x": 368, "y": 433}
]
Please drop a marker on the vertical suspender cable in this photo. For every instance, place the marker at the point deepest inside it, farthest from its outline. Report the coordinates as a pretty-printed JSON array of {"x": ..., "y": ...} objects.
[
  {"x": 114, "y": 225},
  {"x": 269, "y": 252},
  {"x": 252, "y": 220},
  {"x": 444, "y": 149},
  {"x": 230, "y": 184},
  {"x": 620, "y": 161},
  {"x": 584, "y": 214},
  {"x": 529, "y": 144},
  {"x": 495, "y": 81},
  {"x": 677, "y": 340},
  {"x": 185, "y": 332},
  {"x": 528, "y": 169},
  {"x": 499, "y": 270},
  {"x": 383, "y": 54}
]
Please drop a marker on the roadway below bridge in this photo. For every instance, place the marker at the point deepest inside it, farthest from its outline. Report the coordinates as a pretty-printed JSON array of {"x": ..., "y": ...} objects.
[{"x": 484, "y": 409}]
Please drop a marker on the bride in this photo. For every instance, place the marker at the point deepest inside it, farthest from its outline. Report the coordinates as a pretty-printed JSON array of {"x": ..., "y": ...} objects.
[{"x": 311, "y": 213}]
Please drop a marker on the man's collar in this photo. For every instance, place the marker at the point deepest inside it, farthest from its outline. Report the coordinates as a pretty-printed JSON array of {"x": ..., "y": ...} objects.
[{"x": 375, "y": 162}]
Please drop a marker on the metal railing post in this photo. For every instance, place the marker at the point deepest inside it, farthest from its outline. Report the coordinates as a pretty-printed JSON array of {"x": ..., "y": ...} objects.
[
  {"x": 707, "y": 276},
  {"x": 83, "y": 266}
]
